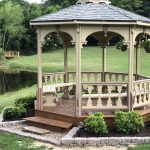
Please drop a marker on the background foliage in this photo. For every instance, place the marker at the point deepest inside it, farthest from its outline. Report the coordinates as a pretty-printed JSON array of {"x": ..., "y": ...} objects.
[{"x": 15, "y": 15}]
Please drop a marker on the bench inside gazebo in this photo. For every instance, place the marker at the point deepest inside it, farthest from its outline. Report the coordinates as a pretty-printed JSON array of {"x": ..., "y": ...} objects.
[{"x": 66, "y": 98}]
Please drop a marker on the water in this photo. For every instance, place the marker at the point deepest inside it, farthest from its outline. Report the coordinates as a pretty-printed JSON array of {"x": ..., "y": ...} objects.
[{"x": 14, "y": 80}]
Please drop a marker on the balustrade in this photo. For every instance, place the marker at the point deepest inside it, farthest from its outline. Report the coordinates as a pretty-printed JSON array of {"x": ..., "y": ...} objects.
[
  {"x": 54, "y": 78},
  {"x": 104, "y": 96},
  {"x": 116, "y": 77},
  {"x": 141, "y": 93}
]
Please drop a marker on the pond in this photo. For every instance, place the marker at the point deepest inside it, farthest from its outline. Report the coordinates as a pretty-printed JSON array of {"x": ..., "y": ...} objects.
[{"x": 14, "y": 80}]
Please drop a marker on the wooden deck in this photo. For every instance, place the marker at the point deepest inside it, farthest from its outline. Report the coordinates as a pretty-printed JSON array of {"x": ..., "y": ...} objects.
[{"x": 63, "y": 115}]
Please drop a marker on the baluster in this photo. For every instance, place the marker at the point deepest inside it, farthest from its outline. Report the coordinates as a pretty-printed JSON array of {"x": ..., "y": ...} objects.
[
  {"x": 99, "y": 102},
  {"x": 88, "y": 77},
  {"x": 82, "y": 77},
  {"x": 144, "y": 99},
  {"x": 92, "y": 77},
  {"x": 109, "y": 102},
  {"x": 89, "y": 102},
  {"x": 73, "y": 77},
  {"x": 119, "y": 102},
  {"x": 135, "y": 96},
  {"x": 116, "y": 77},
  {"x": 110, "y": 77},
  {"x": 56, "y": 78},
  {"x": 123, "y": 78},
  {"x": 45, "y": 78},
  {"x": 51, "y": 79},
  {"x": 140, "y": 97},
  {"x": 96, "y": 77}
]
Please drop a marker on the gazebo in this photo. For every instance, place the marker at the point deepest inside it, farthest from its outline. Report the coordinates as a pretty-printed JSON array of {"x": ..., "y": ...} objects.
[{"x": 71, "y": 96}]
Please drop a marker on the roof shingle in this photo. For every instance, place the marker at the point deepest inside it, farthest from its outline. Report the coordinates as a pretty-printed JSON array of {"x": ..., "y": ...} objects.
[{"x": 92, "y": 12}]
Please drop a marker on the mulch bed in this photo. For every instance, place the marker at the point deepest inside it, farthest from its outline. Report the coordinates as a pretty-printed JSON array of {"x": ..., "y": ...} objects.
[{"x": 145, "y": 132}]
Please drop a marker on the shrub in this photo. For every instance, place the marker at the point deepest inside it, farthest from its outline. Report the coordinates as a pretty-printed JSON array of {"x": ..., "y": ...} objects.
[
  {"x": 12, "y": 112},
  {"x": 95, "y": 124},
  {"x": 26, "y": 102},
  {"x": 128, "y": 122}
]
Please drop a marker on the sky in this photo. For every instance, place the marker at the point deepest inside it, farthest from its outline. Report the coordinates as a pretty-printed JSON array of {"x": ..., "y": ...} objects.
[{"x": 34, "y": 1}]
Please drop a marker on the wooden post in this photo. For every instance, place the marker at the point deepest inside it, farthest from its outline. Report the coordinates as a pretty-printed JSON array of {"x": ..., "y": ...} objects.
[
  {"x": 65, "y": 63},
  {"x": 103, "y": 63},
  {"x": 130, "y": 67},
  {"x": 78, "y": 72},
  {"x": 137, "y": 61},
  {"x": 39, "y": 104}
]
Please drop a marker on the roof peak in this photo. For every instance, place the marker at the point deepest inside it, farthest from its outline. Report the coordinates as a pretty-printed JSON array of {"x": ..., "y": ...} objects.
[{"x": 93, "y": 1}]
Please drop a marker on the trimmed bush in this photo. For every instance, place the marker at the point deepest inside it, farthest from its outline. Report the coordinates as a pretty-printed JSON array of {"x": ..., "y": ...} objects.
[
  {"x": 26, "y": 102},
  {"x": 12, "y": 112},
  {"x": 128, "y": 122},
  {"x": 95, "y": 124}
]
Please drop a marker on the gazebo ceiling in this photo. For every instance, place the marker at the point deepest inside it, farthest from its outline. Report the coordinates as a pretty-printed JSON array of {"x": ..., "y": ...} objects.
[{"x": 91, "y": 10}]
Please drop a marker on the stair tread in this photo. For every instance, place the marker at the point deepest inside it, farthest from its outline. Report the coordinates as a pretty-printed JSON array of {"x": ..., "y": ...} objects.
[{"x": 50, "y": 122}]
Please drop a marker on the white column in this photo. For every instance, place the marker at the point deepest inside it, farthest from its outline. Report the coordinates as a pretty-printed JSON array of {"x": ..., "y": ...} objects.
[
  {"x": 65, "y": 63},
  {"x": 103, "y": 63},
  {"x": 39, "y": 91},
  {"x": 131, "y": 65},
  {"x": 78, "y": 72},
  {"x": 137, "y": 60}
]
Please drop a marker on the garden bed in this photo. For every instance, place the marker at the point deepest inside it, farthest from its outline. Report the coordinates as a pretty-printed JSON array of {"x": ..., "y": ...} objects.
[{"x": 145, "y": 132}]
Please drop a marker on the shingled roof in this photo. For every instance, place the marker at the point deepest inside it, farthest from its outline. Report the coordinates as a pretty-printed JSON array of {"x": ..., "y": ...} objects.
[{"x": 92, "y": 12}]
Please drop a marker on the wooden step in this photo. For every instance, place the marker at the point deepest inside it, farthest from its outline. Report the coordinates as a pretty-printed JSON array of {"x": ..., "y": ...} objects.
[
  {"x": 56, "y": 116},
  {"x": 49, "y": 122}
]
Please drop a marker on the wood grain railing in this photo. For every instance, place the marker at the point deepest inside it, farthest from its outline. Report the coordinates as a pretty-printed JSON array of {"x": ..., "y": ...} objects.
[
  {"x": 104, "y": 96},
  {"x": 141, "y": 93},
  {"x": 54, "y": 78}
]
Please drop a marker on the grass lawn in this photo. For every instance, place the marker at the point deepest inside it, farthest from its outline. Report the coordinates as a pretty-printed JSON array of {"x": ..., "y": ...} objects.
[
  {"x": 9, "y": 98},
  {"x": 117, "y": 61},
  {"x": 13, "y": 142},
  {"x": 140, "y": 147}
]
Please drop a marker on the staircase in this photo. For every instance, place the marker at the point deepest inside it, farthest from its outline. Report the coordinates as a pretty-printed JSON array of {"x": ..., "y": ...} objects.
[{"x": 50, "y": 119}]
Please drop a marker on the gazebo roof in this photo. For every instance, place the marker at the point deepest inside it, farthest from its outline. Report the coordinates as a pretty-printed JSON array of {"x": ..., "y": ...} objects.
[{"x": 92, "y": 11}]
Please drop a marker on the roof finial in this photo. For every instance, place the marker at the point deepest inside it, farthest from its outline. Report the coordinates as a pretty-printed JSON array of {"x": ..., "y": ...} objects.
[{"x": 93, "y": 1}]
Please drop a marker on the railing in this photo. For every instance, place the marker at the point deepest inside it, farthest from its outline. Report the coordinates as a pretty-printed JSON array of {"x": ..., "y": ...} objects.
[
  {"x": 104, "y": 96},
  {"x": 86, "y": 76},
  {"x": 141, "y": 93},
  {"x": 142, "y": 77},
  {"x": 116, "y": 77},
  {"x": 54, "y": 78},
  {"x": 97, "y": 77}
]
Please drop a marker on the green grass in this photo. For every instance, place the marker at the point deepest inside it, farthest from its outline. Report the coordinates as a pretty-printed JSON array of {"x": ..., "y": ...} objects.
[
  {"x": 117, "y": 61},
  {"x": 8, "y": 99},
  {"x": 14, "y": 142},
  {"x": 140, "y": 147}
]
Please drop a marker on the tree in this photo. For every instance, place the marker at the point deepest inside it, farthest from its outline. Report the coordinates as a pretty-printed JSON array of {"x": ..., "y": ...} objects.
[
  {"x": 131, "y": 5},
  {"x": 146, "y": 8},
  {"x": 11, "y": 18}
]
